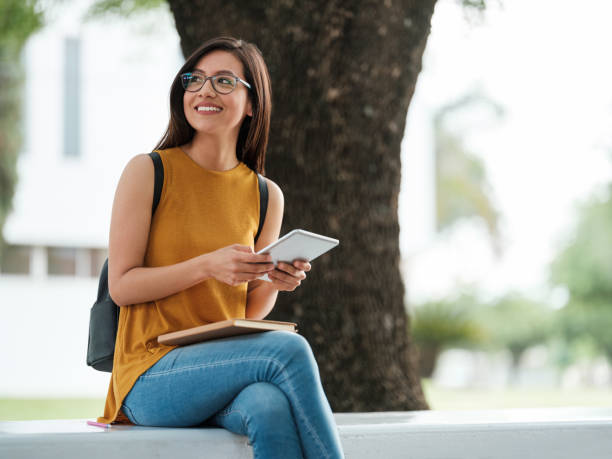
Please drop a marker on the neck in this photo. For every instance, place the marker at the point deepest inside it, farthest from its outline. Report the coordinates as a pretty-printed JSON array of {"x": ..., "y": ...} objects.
[{"x": 213, "y": 152}]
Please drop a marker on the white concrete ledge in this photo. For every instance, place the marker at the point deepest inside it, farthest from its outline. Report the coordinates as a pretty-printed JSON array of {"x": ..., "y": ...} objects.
[{"x": 551, "y": 433}]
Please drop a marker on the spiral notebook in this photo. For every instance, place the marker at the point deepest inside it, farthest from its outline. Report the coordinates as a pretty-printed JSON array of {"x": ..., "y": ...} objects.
[{"x": 222, "y": 329}]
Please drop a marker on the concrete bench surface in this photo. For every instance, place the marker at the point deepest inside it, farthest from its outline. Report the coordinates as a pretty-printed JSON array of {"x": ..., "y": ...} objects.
[{"x": 542, "y": 433}]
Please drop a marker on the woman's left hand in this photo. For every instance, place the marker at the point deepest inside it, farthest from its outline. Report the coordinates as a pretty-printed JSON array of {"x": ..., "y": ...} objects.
[{"x": 287, "y": 277}]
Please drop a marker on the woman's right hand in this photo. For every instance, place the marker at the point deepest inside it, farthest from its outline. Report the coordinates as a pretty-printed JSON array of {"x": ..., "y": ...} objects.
[{"x": 236, "y": 264}]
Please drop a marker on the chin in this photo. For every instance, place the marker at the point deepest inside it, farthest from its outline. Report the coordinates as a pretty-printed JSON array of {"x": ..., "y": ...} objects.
[
  {"x": 213, "y": 127},
  {"x": 205, "y": 125}
]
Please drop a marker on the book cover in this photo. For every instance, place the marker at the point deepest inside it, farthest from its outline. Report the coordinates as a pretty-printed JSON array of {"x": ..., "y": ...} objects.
[{"x": 222, "y": 329}]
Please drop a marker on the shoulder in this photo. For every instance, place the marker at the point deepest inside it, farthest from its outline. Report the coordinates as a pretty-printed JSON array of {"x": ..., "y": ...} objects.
[
  {"x": 139, "y": 163},
  {"x": 275, "y": 194},
  {"x": 138, "y": 175}
]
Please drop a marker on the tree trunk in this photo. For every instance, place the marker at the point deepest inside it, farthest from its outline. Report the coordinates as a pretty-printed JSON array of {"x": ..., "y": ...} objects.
[
  {"x": 343, "y": 74},
  {"x": 428, "y": 357}
]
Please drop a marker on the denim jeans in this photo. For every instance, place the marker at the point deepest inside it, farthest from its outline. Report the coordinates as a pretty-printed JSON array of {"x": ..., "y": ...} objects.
[{"x": 265, "y": 386}]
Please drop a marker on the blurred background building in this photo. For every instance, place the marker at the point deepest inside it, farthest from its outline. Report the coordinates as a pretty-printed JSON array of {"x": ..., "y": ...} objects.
[{"x": 96, "y": 94}]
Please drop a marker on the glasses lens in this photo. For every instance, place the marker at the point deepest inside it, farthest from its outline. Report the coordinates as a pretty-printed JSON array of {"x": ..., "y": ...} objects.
[
  {"x": 225, "y": 83},
  {"x": 191, "y": 81}
]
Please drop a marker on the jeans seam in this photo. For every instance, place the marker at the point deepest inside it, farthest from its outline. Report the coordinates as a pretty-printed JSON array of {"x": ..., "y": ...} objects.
[
  {"x": 309, "y": 428},
  {"x": 133, "y": 418},
  {"x": 201, "y": 365},
  {"x": 242, "y": 417}
]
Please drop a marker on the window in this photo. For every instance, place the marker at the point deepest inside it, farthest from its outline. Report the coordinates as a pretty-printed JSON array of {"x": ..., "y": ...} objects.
[
  {"x": 15, "y": 259},
  {"x": 98, "y": 256},
  {"x": 41, "y": 261},
  {"x": 61, "y": 261},
  {"x": 72, "y": 97}
]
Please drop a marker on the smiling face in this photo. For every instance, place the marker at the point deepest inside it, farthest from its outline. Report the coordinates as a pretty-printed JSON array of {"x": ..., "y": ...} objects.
[{"x": 227, "y": 110}]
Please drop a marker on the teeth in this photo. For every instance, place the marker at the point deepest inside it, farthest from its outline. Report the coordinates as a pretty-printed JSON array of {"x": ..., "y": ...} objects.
[{"x": 208, "y": 109}]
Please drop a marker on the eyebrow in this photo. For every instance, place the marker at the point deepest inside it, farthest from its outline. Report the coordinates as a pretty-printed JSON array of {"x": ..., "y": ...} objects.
[{"x": 215, "y": 73}]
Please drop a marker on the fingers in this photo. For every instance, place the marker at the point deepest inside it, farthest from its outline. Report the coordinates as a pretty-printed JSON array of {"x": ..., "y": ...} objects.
[
  {"x": 292, "y": 270},
  {"x": 255, "y": 268},
  {"x": 288, "y": 276},
  {"x": 303, "y": 265},
  {"x": 286, "y": 281},
  {"x": 256, "y": 258},
  {"x": 252, "y": 257}
]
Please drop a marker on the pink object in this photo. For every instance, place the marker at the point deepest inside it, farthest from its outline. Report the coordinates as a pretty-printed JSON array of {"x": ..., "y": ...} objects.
[{"x": 98, "y": 424}]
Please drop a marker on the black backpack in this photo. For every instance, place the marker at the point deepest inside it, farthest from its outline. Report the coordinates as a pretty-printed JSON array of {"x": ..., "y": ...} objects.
[{"x": 104, "y": 314}]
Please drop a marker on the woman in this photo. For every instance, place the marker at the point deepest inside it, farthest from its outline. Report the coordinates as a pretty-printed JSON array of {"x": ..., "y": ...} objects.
[{"x": 193, "y": 262}]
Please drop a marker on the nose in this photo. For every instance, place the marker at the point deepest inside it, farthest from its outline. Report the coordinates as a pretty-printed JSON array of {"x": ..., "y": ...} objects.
[{"x": 207, "y": 88}]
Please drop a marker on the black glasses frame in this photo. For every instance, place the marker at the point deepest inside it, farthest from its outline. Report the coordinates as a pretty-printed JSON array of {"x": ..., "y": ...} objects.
[{"x": 213, "y": 80}]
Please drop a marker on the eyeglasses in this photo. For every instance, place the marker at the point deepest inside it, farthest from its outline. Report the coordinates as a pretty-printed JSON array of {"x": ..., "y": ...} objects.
[{"x": 223, "y": 84}]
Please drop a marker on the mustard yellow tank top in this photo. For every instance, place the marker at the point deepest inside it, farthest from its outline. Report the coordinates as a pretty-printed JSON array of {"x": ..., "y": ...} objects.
[{"x": 199, "y": 211}]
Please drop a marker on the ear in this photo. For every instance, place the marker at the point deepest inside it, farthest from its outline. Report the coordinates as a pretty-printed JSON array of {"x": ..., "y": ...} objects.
[{"x": 249, "y": 108}]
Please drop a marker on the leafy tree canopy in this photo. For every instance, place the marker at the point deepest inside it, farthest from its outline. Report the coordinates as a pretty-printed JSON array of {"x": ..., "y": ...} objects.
[
  {"x": 462, "y": 187},
  {"x": 18, "y": 20},
  {"x": 584, "y": 265},
  {"x": 122, "y": 8},
  {"x": 516, "y": 322}
]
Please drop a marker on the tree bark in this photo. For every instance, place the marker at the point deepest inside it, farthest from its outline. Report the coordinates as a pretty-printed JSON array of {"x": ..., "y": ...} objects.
[
  {"x": 428, "y": 357},
  {"x": 343, "y": 74}
]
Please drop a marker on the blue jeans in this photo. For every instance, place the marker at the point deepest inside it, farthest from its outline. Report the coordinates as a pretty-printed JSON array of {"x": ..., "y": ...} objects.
[{"x": 265, "y": 386}]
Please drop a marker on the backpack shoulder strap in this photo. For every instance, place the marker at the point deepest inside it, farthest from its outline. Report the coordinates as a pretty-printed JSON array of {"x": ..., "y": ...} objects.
[
  {"x": 159, "y": 178},
  {"x": 263, "y": 202}
]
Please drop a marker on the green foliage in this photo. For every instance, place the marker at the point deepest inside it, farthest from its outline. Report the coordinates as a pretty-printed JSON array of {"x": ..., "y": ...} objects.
[
  {"x": 18, "y": 409},
  {"x": 588, "y": 324},
  {"x": 437, "y": 325},
  {"x": 479, "y": 5},
  {"x": 516, "y": 323},
  {"x": 10, "y": 134},
  {"x": 462, "y": 188},
  {"x": 512, "y": 322},
  {"x": 18, "y": 20},
  {"x": 446, "y": 323},
  {"x": 584, "y": 265},
  {"x": 478, "y": 398},
  {"x": 123, "y": 8}
]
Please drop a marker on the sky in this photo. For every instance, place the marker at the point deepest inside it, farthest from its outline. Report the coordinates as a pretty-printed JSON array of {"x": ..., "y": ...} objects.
[{"x": 547, "y": 64}]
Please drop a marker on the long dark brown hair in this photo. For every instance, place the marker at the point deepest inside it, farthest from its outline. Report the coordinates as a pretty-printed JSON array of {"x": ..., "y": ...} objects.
[{"x": 253, "y": 135}]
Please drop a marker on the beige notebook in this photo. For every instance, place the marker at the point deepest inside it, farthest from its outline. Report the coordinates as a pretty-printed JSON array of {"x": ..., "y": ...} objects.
[{"x": 222, "y": 329}]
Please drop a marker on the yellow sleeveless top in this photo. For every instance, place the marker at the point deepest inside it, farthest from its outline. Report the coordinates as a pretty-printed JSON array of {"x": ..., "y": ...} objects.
[{"x": 199, "y": 211}]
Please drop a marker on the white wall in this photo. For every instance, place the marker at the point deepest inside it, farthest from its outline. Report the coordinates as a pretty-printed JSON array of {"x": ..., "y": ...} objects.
[{"x": 43, "y": 336}]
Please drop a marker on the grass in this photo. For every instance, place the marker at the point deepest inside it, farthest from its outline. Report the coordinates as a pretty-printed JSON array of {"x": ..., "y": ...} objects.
[
  {"x": 12, "y": 409},
  {"x": 479, "y": 399},
  {"x": 18, "y": 409}
]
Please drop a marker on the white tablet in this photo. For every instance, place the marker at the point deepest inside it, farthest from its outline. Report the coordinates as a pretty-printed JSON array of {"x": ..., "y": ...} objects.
[{"x": 298, "y": 244}]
